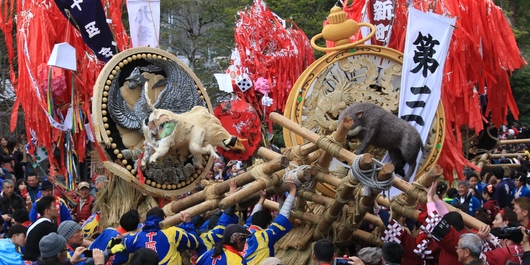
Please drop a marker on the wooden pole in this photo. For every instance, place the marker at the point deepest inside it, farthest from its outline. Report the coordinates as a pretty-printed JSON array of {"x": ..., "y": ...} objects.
[
  {"x": 381, "y": 200},
  {"x": 468, "y": 219},
  {"x": 268, "y": 154},
  {"x": 324, "y": 177},
  {"x": 373, "y": 219},
  {"x": 316, "y": 198},
  {"x": 308, "y": 217},
  {"x": 301, "y": 154},
  {"x": 514, "y": 141},
  {"x": 268, "y": 168},
  {"x": 343, "y": 154},
  {"x": 193, "y": 211},
  {"x": 425, "y": 180},
  {"x": 188, "y": 202},
  {"x": 258, "y": 185},
  {"x": 502, "y": 165},
  {"x": 315, "y": 172},
  {"x": 511, "y": 155},
  {"x": 482, "y": 160},
  {"x": 314, "y": 219},
  {"x": 366, "y": 203},
  {"x": 343, "y": 196},
  {"x": 218, "y": 189},
  {"x": 339, "y": 136},
  {"x": 428, "y": 178}
]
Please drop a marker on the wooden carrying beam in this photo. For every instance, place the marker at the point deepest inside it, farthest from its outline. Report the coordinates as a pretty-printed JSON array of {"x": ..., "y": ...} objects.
[
  {"x": 260, "y": 184},
  {"x": 213, "y": 193},
  {"x": 511, "y": 155},
  {"x": 344, "y": 195},
  {"x": 469, "y": 220},
  {"x": 514, "y": 141},
  {"x": 344, "y": 154}
]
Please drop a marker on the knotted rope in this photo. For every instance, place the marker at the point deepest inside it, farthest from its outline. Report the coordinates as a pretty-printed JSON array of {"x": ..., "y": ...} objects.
[
  {"x": 293, "y": 174},
  {"x": 329, "y": 144},
  {"x": 369, "y": 177}
]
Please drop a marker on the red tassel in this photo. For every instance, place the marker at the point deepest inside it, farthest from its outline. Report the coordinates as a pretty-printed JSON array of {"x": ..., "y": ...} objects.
[
  {"x": 474, "y": 62},
  {"x": 140, "y": 174},
  {"x": 273, "y": 52}
]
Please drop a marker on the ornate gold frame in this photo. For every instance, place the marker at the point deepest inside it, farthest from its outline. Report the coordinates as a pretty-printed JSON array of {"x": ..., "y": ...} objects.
[
  {"x": 299, "y": 93},
  {"x": 104, "y": 126}
]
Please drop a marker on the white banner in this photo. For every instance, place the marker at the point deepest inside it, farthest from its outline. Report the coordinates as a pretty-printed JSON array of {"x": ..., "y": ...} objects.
[
  {"x": 426, "y": 46},
  {"x": 144, "y": 20}
]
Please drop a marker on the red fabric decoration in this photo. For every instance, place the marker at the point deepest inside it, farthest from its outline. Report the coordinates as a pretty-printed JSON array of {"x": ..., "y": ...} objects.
[
  {"x": 141, "y": 177},
  {"x": 40, "y": 25},
  {"x": 240, "y": 119},
  {"x": 273, "y": 52},
  {"x": 482, "y": 54}
]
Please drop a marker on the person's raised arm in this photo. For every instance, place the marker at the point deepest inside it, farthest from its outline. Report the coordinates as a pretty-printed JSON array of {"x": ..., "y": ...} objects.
[
  {"x": 288, "y": 203},
  {"x": 434, "y": 203}
]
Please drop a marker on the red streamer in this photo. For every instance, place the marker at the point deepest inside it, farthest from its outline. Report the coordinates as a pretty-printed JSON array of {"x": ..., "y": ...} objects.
[
  {"x": 40, "y": 25},
  {"x": 482, "y": 55},
  {"x": 273, "y": 52}
]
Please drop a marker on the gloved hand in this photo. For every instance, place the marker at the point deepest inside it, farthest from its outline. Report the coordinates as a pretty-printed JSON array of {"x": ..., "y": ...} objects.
[
  {"x": 116, "y": 249},
  {"x": 113, "y": 241}
]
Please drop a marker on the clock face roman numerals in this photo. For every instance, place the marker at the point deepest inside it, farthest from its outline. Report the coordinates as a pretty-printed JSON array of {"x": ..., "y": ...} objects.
[
  {"x": 343, "y": 79},
  {"x": 350, "y": 75},
  {"x": 368, "y": 70}
]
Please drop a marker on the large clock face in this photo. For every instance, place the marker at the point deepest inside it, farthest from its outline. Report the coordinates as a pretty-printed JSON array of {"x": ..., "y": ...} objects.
[{"x": 339, "y": 79}]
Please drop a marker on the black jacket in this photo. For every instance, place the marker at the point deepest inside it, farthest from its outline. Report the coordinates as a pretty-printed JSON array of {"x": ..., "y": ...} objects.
[{"x": 9, "y": 205}]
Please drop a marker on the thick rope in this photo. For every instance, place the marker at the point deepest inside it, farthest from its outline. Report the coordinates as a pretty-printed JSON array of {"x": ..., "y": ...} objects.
[
  {"x": 329, "y": 145},
  {"x": 258, "y": 173},
  {"x": 417, "y": 191},
  {"x": 293, "y": 153},
  {"x": 400, "y": 205},
  {"x": 293, "y": 173},
  {"x": 339, "y": 189},
  {"x": 369, "y": 177}
]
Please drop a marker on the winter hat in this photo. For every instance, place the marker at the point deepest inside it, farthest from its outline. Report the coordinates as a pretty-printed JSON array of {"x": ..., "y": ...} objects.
[
  {"x": 370, "y": 255},
  {"x": 68, "y": 228},
  {"x": 51, "y": 244},
  {"x": 233, "y": 233},
  {"x": 46, "y": 185}
]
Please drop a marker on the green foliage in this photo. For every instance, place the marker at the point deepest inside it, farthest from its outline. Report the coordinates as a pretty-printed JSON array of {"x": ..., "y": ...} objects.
[
  {"x": 517, "y": 13},
  {"x": 278, "y": 140},
  {"x": 520, "y": 82},
  {"x": 192, "y": 28},
  {"x": 298, "y": 11},
  {"x": 203, "y": 31}
]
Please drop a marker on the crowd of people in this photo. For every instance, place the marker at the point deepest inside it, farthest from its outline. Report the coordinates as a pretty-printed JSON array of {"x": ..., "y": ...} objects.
[
  {"x": 42, "y": 226},
  {"x": 45, "y": 230}
]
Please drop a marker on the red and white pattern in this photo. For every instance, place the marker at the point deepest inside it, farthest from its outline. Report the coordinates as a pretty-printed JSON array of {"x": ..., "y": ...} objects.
[
  {"x": 430, "y": 222},
  {"x": 422, "y": 248},
  {"x": 393, "y": 232},
  {"x": 490, "y": 243}
]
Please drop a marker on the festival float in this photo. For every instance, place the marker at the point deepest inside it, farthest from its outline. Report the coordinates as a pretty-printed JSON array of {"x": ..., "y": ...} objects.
[{"x": 156, "y": 132}]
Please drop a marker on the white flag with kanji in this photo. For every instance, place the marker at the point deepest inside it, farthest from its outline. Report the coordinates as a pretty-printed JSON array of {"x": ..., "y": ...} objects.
[
  {"x": 426, "y": 46},
  {"x": 144, "y": 21}
]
